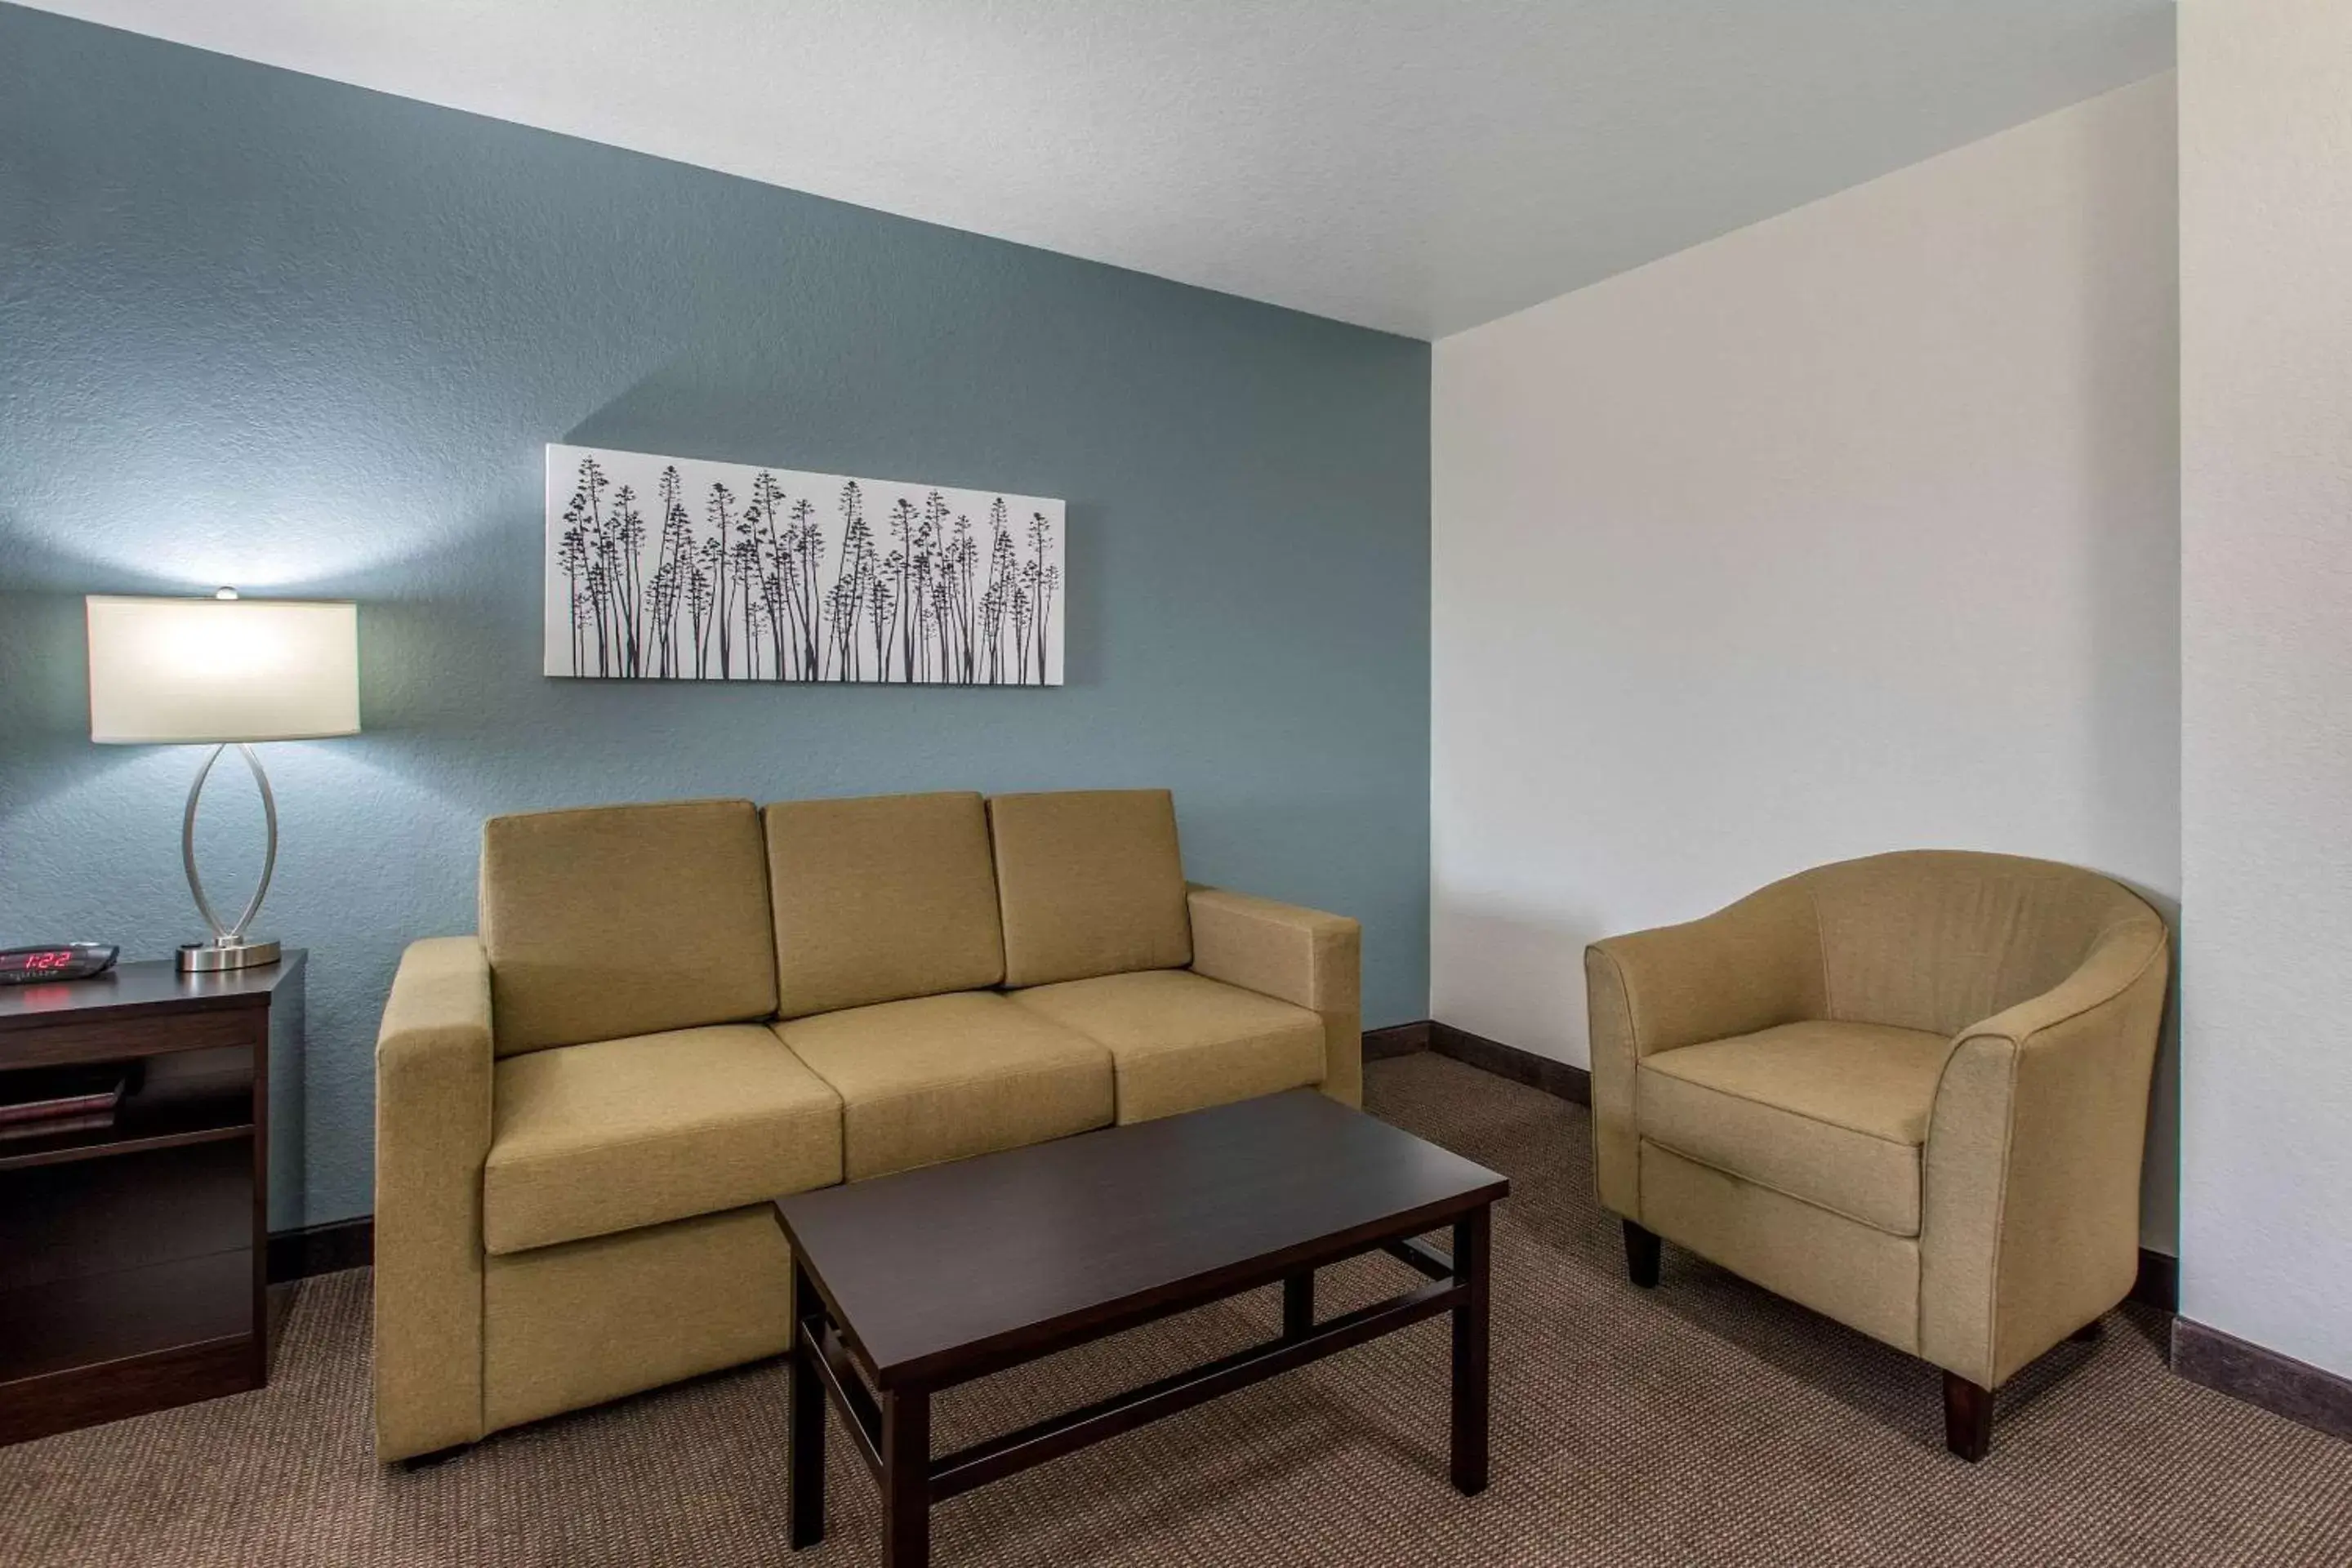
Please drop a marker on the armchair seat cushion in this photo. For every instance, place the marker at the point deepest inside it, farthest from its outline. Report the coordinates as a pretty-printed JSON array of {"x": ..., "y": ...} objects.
[
  {"x": 944, "y": 1078},
  {"x": 1180, "y": 1041},
  {"x": 591, "y": 1139},
  {"x": 1831, "y": 1113}
]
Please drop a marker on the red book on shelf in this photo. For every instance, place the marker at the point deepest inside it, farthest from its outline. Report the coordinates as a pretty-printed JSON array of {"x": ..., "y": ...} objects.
[
  {"x": 55, "y": 1125},
  {"x": 41, "y": 1096}
]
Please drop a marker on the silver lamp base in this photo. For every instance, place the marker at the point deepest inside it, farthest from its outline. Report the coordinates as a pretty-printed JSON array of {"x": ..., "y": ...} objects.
[
  {"x": 216, "y": 957},
  {"x": 228, "y": 948}
]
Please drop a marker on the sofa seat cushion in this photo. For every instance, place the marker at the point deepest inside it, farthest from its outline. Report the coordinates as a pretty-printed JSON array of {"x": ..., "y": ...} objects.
[
  {"x": 943, "y": 1078},
  {"x": 591, "y": 1139},
  {"x": 1180, "y": 1041},
  {"x": 1832, "y": 1113}
]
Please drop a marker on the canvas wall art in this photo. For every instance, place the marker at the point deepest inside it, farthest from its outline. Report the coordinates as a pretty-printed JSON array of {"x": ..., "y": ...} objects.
[{"x": 678, "y": 569}]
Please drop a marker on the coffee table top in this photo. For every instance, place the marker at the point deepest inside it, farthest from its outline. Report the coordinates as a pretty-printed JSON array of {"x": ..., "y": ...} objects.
[{"x": 944, "y": 1270}]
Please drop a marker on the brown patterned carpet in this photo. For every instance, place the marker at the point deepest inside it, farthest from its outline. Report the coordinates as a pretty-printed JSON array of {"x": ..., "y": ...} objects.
[{"x": 1707, "y": 1423}]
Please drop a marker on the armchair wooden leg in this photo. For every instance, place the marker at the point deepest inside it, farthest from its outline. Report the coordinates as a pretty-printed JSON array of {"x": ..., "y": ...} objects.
[
  {"x": 1641, "y": 1251},
  {"x": 1968, "y": 1418}
]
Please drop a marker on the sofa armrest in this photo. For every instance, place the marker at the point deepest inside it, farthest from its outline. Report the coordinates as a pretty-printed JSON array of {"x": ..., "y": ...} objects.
[
  {"x": 1302, "y": 956},
  {"x": 2030, "y": 1226},
  {"x": 432, "y": 1074},
  {"x": 1750, "y": 967}
]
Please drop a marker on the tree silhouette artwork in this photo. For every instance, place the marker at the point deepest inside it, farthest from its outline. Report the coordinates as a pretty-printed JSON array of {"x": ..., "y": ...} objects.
[{"x": 675, "y": 569}]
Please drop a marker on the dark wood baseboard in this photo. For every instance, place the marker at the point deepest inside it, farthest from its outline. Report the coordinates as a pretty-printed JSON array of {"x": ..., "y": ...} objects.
[
  {"x": 321, "y": 1249},
  {"x": 2158, "y": 1284},
  {"x": 1550, "y": 1074},
  {"x": 1396, "y": 1040},
  {"x": 2275, "y": 1382}
]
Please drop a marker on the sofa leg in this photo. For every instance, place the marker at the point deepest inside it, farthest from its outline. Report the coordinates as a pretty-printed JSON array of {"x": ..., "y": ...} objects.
[
  {"x": 1968, "y": 1418},
  {"x": 437, "y": 1456},
  {"x": 1641, "y": 1251},
  {"x": 2087, "y": 1333}
]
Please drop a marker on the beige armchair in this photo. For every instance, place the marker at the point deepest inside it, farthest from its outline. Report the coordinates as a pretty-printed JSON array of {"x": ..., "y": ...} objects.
[{"x": 1909, "y": 1092}]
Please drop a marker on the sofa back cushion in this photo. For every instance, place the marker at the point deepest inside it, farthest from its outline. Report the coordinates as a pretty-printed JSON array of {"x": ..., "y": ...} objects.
[
  {"x": 625, "y": 920},
  {"x": 881, "y": 899},
  {"x": 1091, "y": 882}
]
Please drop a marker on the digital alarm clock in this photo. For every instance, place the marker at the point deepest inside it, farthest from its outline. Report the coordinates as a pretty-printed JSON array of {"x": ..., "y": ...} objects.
[{"x": 54, "y": 961}]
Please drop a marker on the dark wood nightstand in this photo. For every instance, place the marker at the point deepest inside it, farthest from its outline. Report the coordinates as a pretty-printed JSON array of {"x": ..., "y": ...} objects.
[{"x": 132, "y": 1255}]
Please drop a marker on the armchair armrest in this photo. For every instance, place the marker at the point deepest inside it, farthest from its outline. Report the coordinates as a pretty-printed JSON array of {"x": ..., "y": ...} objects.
[
  {"x": 433, "y": 1076},
  {"x": 1302, "y": 956},
  {"x": 1746, "y": 967},
  {"x": 2031, "y": 1220}
]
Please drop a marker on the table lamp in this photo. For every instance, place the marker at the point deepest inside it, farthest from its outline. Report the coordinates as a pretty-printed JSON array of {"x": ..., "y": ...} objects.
[{"x": 223, "y": 672}]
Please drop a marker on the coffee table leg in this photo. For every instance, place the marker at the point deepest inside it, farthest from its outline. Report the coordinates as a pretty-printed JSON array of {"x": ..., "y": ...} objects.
[
  {"x": 1298, "y": 1304},
  {"x": 1471, "y": 1250},
  {"x": 807, "y": 1436},
  {"x": 907, "y": 1477}
]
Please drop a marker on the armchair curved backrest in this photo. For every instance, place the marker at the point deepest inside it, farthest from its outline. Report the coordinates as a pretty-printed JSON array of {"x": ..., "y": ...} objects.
[{"x": 1941, "y": 940}]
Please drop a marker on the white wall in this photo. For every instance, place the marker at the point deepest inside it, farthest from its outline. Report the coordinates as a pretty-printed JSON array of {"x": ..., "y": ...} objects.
[
  {"x": 2266, "y": 655},
  {"x": 1852, "y": 531}
]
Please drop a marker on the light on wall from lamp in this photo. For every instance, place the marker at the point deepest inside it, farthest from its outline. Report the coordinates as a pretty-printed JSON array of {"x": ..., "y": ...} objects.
[{"x": 223, "y": 672}]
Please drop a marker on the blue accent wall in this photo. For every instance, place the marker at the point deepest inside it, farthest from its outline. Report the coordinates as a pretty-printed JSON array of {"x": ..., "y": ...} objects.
[{"x": 265, "y": 329}]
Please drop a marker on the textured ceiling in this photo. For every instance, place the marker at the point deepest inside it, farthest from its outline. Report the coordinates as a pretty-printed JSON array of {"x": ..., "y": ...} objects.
[{"x": 1412, "y": 164}]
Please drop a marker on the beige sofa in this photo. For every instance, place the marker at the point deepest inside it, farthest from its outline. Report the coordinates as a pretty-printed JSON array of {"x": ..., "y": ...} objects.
[
  {"x": 674, "y": 1012},
  {"x": 1908, "y": 1091}
]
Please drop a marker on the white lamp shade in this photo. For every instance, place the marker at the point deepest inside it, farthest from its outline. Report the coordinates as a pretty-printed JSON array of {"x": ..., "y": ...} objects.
[{"x": 206, "y": 670}]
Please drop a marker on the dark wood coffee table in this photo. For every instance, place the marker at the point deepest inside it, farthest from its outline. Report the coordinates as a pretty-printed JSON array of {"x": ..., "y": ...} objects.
[{"x": 905, "y": 1285}]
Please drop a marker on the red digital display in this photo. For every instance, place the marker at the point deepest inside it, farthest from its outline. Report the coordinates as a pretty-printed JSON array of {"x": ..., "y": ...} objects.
[{"x": 54, "y": 960}]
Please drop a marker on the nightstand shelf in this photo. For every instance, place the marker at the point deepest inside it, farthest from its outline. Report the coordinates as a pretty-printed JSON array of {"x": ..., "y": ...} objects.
[
  {"x": 132, "y": 1253},
  {"x": 143, "y": 1123}
]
